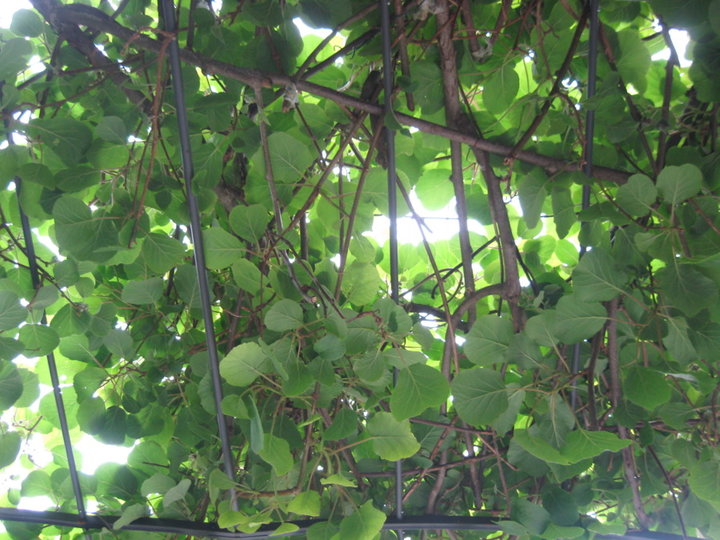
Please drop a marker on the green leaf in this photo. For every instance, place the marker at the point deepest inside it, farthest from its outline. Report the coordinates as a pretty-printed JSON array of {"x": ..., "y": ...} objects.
[
  {"x": 678, "y": 183},
  {"x": 130, "y": 514},
  {"x": 581, "y": 444},
  {"x": 500, "y": 89},
  {"x": 120, "y": 343},
  {"x": 11, "y": 312},
  {"x": 434, "y": 188},
  {"x": 289, "y": 158},
  {"x": 539, "y": 447},
  {"x": 14, "y": 55},
  {"x": 637, "y": 196},
  {"x": 176, "y": 493},
  {"x": 69, "y": 139},
  {"x": 36, "y": 484},
  {"x": 249, "y": 222},
  {"x": 44, "y": 297},
  {"x": 39, "y": 340},
  {"x": 479, "y": 395},
  {"x": 244, "y": 364},
  {"x": 577, "y": 320},
  {"x": 488, "y": 340},
  {"x": 646, "y": 387},
  {"x": 532, "y": 516},
  {"x": 560, "y": 505},
  {"x": 222, "y": 249},
  {"x": 11, "y": 385},
  {"x": 361, "y": 283},
  {"x": 362, "y": 249},
  {"x": 284, "y": 315},
  {"x": 597, "y": 277},
  {"x": 306, "y": 503},
  {"x": 558, "y": 532},
  {"x": 257, "y": 436},
  {"x": 147, "y": 291},
  {"x": 9, "y": 447},
  {"x": 686, "y": 289},
  {"x": 276, "y": 452},
  {"x": 159, "y": 483},
  {"x": 532, "y": 193},
  {"x": 634, "y": 58},
  {"x": 363, "y": 524},
  {"x": 26, "y": 23},
  {"x": 82, "y": 234},
  {"x": 285, "y": 529},
  {"x": 391, "y": 439},
  {"x": 418, "y": 387},
  {"x": 186, "y": 283},
  {"x": 338, "y": 479},
  {"x": 541, "y": 328},
  {"x": 161, "y": 253},
  {"x": 112, "y": 129},
  {"x": 330, "y": 347},
  {"x": 705, "y": 481},
  {"x": 564, "y": 214},
  {"x": 344, "y": 424},
  {"x": 247, "y": 276}
]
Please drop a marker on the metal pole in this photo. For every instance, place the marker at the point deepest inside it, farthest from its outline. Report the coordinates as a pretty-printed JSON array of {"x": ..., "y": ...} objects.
[
  {"x": 52, "y": 366},
  {"x": 167, "y": 12},
  {"x": 594, "y": 6}
]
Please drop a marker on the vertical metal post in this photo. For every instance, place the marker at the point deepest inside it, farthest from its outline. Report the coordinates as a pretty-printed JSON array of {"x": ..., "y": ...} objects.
[
  {"x": 392, "y": 204},
  {"x": 167, "y": 12},
  {"x": 52, "y": 366},
  {"x": 594, "y": 7}
]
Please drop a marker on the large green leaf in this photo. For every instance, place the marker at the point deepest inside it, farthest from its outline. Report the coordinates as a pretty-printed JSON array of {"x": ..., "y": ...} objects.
[
  {"x": 11, "y": 312},
  {"x": 161, "y": 253},
  {"x": 678, "y": 183},
  {"x": 646, "y": 387},
  {"x": 9, "y": 447},
  {"x": 577, "y": 320},
  {"x": 361, "y": 283},
  {"x": 391, "y": 439},
  {"x": 68, "y": 138},
  {"x": 418, "y": 387},
  {"x": 222, "y": 249},
  {"x": 81, "y": 233},
  {"x": 146, "y": 291},
  {"x": 685, "y": 288},
  {"x": 11, "y": 386},
  {"x": 276, "y": 452},
  {"x": 363, "y": 524},
  {"x": 582, "y": 444},
  {"x": 637, "y": 196},
  {"x": 39, "y": 340},
  {"x": 479, "y": 395},
  {"x": 500, "y": 89},
  {"x": 244, "y": 364},
  {"x": 289, "y": 158},
  {"x": 488, "y": 340},
  {"x": 284, "y": 315},
  {"x": 597, "y": 277},
  {"x": 532, "y": 192},
  {"x": 249, "y": 222}
]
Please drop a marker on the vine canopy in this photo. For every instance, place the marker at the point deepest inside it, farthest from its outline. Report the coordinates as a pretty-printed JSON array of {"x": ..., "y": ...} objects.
[{"x": 543, "y": 356}]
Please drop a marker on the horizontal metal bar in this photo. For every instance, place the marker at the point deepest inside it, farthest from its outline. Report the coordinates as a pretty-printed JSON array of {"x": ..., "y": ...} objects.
[{"x": 211, "y": 530}]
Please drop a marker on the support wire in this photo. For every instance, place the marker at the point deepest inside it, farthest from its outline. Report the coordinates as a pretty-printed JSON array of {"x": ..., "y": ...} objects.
[
  {"x": 211, "y": 530},
  {"x": 167, "y": 11},
  {"x": 52, "y": 365},
  {"x": 594, "y": 6},
  {"x": 392, "y": 205}
]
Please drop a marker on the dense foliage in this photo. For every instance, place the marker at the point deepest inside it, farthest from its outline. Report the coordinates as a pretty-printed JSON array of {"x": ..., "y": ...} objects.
[{"x": 565, "y": 396}]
